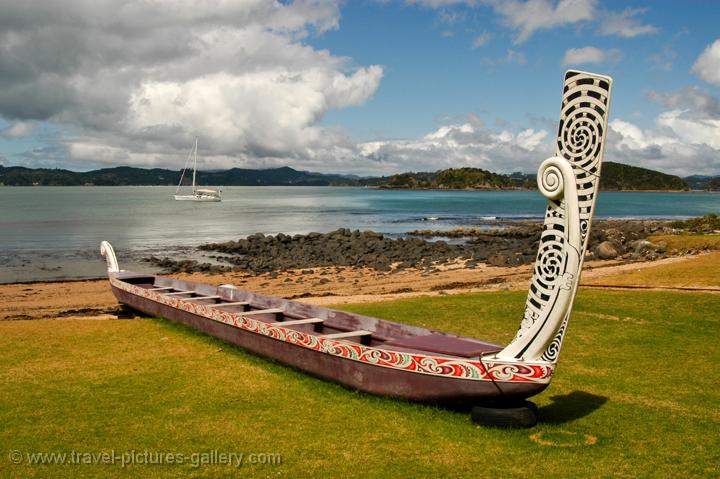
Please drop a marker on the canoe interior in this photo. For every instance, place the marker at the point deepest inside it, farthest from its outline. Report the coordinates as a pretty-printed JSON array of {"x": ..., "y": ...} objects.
[{"x": 317, "y": 320}]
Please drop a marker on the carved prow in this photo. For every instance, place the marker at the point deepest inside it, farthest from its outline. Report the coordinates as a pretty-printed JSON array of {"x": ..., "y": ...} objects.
[
  {"x": 557, "y": 265},
  {"x": 108, "y": 252},
  {"x": 570, "y": 180}
]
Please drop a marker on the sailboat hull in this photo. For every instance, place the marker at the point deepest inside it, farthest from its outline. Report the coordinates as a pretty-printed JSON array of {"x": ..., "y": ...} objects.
[{"x": 202, "y": 198}]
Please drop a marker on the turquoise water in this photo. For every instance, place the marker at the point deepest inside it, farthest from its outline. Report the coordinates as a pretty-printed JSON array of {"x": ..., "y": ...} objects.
[{"x": 48, "y": 232}]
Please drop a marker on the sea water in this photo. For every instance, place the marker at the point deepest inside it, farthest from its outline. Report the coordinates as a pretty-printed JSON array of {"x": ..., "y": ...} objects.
[{"x": 55, "y": 232}]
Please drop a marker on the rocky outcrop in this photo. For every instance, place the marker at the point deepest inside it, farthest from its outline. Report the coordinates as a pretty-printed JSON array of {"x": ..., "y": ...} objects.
[{"x": 514, "y": 245}]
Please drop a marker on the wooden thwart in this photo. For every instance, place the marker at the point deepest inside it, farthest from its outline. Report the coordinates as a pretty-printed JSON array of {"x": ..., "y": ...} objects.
[
  {"x": 179, "y": 292},
  {"x": 262, "y": 311},
  {"x": 295, "y": 322},
  {"x": 349, "y": 334},
  {"x": 202, "y": 297},
  {"x": 236, "y": 303},
  {"x": 161, "y": 289}
]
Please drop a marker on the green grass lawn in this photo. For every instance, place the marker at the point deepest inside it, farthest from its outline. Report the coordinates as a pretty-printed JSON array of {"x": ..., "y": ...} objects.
[
  {"x": 636, "y": 395},
  {"x": 696, "y": 271},
  {"x": 684, "y": 242}
]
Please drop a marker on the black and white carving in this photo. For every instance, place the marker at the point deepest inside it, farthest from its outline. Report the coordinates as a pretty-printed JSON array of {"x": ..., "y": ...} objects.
[{"x": 570, "y": 181}]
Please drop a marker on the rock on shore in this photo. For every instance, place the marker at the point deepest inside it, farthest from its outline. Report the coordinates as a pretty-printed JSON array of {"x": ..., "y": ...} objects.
[
  {"x": 260, "y": 253},
  {"x": 511, "y": 246},
  {"x": 344, "y": 247}
]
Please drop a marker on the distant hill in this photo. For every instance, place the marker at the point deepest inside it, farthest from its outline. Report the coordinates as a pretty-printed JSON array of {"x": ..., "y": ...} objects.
[
  {"x": 702, "y": 182},
  {"x": 123, "y": 175},
  {"x": 615, "y": 176},
  {"x": 127, "y": 176},
  {"x": 453, "y": 179}
]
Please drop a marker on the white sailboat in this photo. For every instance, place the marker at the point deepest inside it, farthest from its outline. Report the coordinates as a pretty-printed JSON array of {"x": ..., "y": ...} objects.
[{"x": 198, "y": 194}]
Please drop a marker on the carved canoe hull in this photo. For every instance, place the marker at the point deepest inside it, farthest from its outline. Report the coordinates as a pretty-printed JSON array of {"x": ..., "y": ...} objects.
[{"x": 427, "y": 378}]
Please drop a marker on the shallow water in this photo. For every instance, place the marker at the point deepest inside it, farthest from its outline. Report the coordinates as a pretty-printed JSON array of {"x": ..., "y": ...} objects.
[{"x": 55, "y": 232}]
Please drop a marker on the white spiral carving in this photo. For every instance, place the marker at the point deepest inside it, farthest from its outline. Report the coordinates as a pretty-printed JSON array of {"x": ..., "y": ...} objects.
[
  {"x": 553, "y": 350},
  {"x": 583, "y": 121},
  {"x": 550, "y": 177},
  {"x": 550, "y": 264},
  {"x": 580, "y": 139}
]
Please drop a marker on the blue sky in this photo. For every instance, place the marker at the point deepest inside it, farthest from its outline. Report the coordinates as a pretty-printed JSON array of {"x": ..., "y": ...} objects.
[
  {"x": 370, "y": 87},
  {"x": 433, "y": 71}
]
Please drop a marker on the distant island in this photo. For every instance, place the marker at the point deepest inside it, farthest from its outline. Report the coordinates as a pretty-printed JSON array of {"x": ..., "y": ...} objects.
[
  {"x": 454, "y": 179},
  {"x": 703, "y": 182},
  {"x": 615, "y": 176}
]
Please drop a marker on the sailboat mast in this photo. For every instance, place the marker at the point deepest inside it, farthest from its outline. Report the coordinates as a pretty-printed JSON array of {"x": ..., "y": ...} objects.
[
  {"x": 182, "y": 175},
  {"x": 195, "y": 164}
]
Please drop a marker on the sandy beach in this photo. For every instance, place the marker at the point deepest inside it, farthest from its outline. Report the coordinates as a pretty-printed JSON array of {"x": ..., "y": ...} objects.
[{"x": 93, "y": 299}]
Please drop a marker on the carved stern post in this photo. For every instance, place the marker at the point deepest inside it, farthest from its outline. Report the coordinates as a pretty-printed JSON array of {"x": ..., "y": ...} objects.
[
  {"x": 108, "y": 252},
  {"x": 570, "y": 181}
]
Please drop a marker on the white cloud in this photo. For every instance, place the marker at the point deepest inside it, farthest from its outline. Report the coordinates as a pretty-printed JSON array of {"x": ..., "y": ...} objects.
[
  {"x": 692, "y": 130},
  {"x": 683, "y": 141},
  {"x": 533, "y": 15},
  {"x": 677, "y": 145},
  {"x": 707, "y": 66},
  {"x": 443, "y": 3},
  {"x": 458, "y": 145},
  {"x": 624, "y": 24},
  {"x": 137, "y": 82},
  {"x": 18, "y": 130},
  {"x": 635, "y": 138},
  {"x": 585, "y": 55},
  {"x": 268, "y": 112},
  {"x": 530, "y": 139},
  {"x": 694, "y": 100},
  {"x": 481, "y": 40},
  {"x": 529, "y": 16}
]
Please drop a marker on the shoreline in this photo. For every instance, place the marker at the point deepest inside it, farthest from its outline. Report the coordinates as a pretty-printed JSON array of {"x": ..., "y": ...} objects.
[
  {"x": 497, "y": 241},
  {"x": 502, "y": 243},
  {"x": 93, "y": 299}
]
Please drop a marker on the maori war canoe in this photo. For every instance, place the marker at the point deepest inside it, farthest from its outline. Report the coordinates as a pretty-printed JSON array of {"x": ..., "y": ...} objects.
[{"x": 398, "y": 360}]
